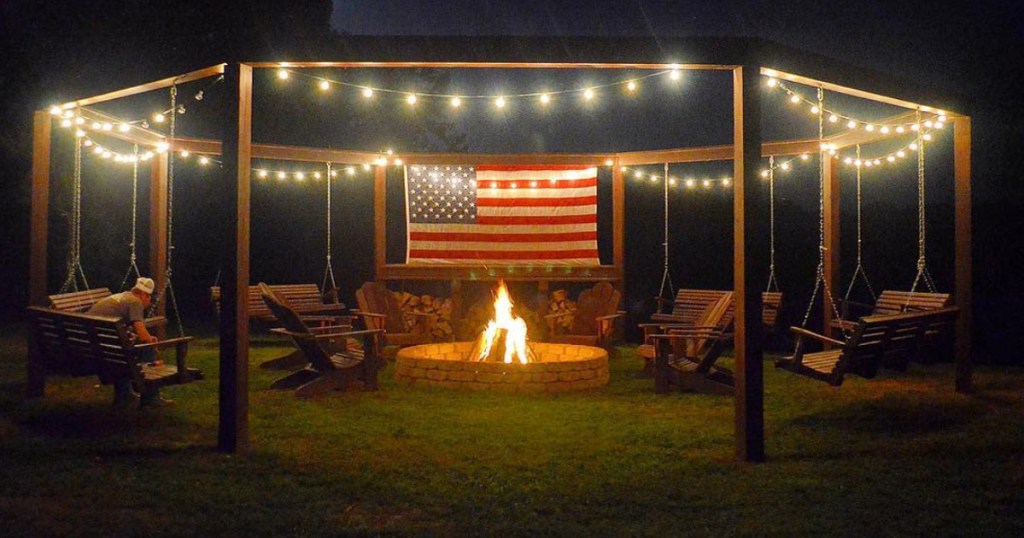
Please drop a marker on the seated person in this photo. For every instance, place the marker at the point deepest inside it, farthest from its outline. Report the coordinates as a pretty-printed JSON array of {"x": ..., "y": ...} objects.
[{"x": 131, "y": 306}]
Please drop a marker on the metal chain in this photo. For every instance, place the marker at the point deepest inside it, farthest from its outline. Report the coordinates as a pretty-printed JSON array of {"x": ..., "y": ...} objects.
[
  {"x": 820, "y": 280},
  {"x": 168, "y": 288},
  {"x": 329, "y": 271},
  {"x": 132, "y": 266},
  {"x": 74, "y": 266},
  {"x": 666, "y": 278},
  {"x": 859, "y": 270},
  {"x": 772, "y": 278},
  {"x": 922, "y": 264}
]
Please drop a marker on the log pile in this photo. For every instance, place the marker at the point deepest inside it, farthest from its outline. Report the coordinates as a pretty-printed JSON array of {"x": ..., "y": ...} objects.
[
  {"x": 439, "y": 326},
  {"x": 560, "y": 304}
]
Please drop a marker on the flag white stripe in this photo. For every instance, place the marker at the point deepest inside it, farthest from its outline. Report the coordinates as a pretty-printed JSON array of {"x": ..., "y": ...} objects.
[
  {"x": 543, "y": 211},
  {"x": 499, "y": 229},
  {"x": 491, "y": 246},
  {"x": 525, "y": 192},
  {"x": 481, "y": 261}
]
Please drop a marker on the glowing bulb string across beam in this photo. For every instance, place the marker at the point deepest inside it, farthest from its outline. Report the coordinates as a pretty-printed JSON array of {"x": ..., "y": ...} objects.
[{"x": 457, "y": 100}]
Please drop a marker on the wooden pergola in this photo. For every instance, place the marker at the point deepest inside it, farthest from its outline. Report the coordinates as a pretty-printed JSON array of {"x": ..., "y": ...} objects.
[{"x": 746, "y": 59}]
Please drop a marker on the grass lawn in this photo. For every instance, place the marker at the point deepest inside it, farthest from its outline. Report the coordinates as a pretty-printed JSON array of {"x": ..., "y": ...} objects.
[{"x": 899, "y": 455}]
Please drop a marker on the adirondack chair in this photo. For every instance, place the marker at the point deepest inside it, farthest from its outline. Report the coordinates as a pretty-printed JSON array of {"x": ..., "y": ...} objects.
[
  {"x": 379, "y": 310},
  {"x": 716, "y": 316},
  {"x": 687, "y": 305},
  {"x": 875, "y": 341},
  {"x": 333, "y": 362},
  {"x": 685, "y": 358},
  {"x": 306, "y": 299},
  {"x": 596, "y": 311}
]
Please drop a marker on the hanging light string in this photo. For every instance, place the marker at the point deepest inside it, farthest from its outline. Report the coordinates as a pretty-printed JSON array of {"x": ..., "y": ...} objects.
[
  {"x": 938, "y": 120},
  {"x": 772, "y": 278},
  {"x": 329, "y": 270},
  {"x": 74, "y": 266},
  {"x": 859, "y": 270},
  {"x": 922, "y": 264},
  {"x": 455, "y": 100},
  {"x": 821, "y": 280},
  {"x": 132, "y": 266}
]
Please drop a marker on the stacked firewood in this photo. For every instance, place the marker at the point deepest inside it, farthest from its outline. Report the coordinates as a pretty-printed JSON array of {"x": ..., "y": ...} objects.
[
  {"x": 560, "y": 304},
  {"x": 440, "y": 324}
]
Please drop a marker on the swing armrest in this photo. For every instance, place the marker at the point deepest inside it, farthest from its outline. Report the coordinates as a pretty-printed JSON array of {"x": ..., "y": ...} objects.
[
  {"x": 155, "y": 321},
  {"x": 801, "y": 332}
]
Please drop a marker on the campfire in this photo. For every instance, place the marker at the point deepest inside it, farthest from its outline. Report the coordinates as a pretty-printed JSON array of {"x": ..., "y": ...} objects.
[{"x": 504, "y": 339}]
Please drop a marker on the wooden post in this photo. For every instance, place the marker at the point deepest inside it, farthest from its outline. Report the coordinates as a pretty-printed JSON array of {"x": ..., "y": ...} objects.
[
  {"x": 37, "y": 270},
  {"x": 619, "y": 225},
  {"x": 832, "y": 217},
  {"x": 962, "y": 247},
  {"x": 749, "y": 414},
  {"x": 158, "y": 228},
  {"x": 380, "y": 219},
  {"x": 233, "y": 432}
]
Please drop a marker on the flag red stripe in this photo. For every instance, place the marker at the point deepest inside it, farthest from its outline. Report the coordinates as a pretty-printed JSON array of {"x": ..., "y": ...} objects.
[
  {"x": 532, "y": 221},
  {"x": 521, "y": 167},
  {"x": 536, "y": 202},
  {"x": 503, "y": 255},
  {"x": 542, "y": 183},
  {"x": 503, "y": 238}
]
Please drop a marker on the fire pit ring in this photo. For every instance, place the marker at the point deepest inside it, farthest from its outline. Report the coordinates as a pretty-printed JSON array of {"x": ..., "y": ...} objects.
[{"x": 561, "y": 368}]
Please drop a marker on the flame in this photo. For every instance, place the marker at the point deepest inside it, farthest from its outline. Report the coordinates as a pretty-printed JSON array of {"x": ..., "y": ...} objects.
[{"x": 514, "y": 329}]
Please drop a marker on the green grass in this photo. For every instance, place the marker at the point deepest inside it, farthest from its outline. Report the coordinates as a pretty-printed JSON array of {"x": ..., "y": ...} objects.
[{"x": 899, "y": 455}]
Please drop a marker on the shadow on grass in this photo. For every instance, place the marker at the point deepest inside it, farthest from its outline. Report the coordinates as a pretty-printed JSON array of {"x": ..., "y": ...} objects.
[
  {"x": 894, "y": 416},
  {"x": 93, "y": 421}
]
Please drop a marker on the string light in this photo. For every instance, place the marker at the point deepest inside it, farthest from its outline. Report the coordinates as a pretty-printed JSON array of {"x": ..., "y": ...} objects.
[{"x": 324, "y": 85}]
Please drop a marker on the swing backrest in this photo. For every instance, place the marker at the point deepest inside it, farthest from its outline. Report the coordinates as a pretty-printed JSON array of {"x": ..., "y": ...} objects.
[
  {"x": 895, "y": 302},
  {"x": 690, "y": 304},
  {"x": 884, "y": 339},
  {"x": 78, "y": 301},
  {"x": 771, "y": 304}
]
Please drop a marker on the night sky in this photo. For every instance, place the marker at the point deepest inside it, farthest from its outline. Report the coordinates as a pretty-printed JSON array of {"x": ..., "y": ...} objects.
[{"x": 59, "y": 51}]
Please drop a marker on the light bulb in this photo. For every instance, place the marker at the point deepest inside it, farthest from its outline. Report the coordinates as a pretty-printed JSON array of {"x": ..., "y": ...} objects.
[
  {"x": 65, "y": 123},
  {"x": 55, "y": 110},
  {"x": 690, "y": 183},
  {"x": 794, "y": 98},
  {"x": 96, "y": 126},
  {"x": 900, "y": 129},
  {"x": 884, "y": 129},
  {"x": 901, "y": 154},
  {"x": 545, "y": 98},
  {"x": 764, "y": 173},
  {"x": 927, "y": 136},
  {"x": 281, "y": 176},
  {"x": 815, "y": 109},
  {"x": 159, "y": 118},
  {"x": 456, "y": 102},
  {"x": 87, "y": 142},
  {"x": 638, "y": 174},
  {"x": 707, "y": 183},
  {"x": 366, "y": 166},
  {"x": 804, "y": 156},
  {"x": 282, "y": 74},
  {"x": 124, "y": 127},
  {"x": 588, "y": 94},
  {"x": 79, "y": 120},
  {"x": 184, "y": 153},
  {"x": 316, "y": 175},
  {"x": 300, "y": 176},
  {"x": 367, "y": 92},
  {"x": 79, "y": 133},
  {"x": 499, "y": 102},
  {"x": 848, "y": 160},
  {"x": 631, "y": 85},
  {"x": 915, "y": 127},
  {"x": 397, "y": 161},
  {"x": 869, "y": 127},
  {"x": 784, "y": 166},
  {"x": 833, "y": 118},
  {"x": 726, "y": 182},
  {"x": 324, "y": 85},
  {"x": 262, "y": 173},
  {"x": 411, "y": 99},
  {"x": 675, "y": 74},
  {"x": 772, "y": 82},
  {"x": 851, "y": 124},
  {"x": 162, "y": 147},
  {"x": 204, "y": 160},
  {"x": 890, "y": 158}
]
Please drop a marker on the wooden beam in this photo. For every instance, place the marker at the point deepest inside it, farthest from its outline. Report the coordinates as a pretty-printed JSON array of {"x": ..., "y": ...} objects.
[
  {"x": 747, "y": 210},
  {"x": 489, "y": 65},
  {"x": 38, "y": 237},
  {"x": 832, "y": 235},
  {"x": 158, "y": 225},
  {"x": 233, "y": 430},
  {"x": 846, "y": 90},
  {"x": 962, "y": 248},
  {"x": 135, "y": 134},
  {"x": 148, "y": 87},
  {"x": 380, "y": 220}
]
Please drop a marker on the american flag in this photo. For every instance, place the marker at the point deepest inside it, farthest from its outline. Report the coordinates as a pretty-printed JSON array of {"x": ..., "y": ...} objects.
[{"x": 495, "y": 214}]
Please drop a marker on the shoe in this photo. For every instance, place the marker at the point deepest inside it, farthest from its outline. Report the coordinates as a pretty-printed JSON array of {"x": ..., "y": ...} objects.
[{"x": 157, "y": 403}]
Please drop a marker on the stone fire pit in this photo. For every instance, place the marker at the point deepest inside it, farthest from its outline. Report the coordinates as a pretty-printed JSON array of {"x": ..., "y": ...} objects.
[{"x": 561, "y": 368}]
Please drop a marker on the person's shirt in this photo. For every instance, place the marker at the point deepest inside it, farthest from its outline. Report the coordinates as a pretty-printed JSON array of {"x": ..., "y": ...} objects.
[{"x": 123, "y": 305}]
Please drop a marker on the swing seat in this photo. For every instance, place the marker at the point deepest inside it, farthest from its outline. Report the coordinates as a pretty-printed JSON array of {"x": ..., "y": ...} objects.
[
  {"x": 716, "y": 316},
  {"x": 895, "y": 302},
  {"x": 886, "y": 340}
]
